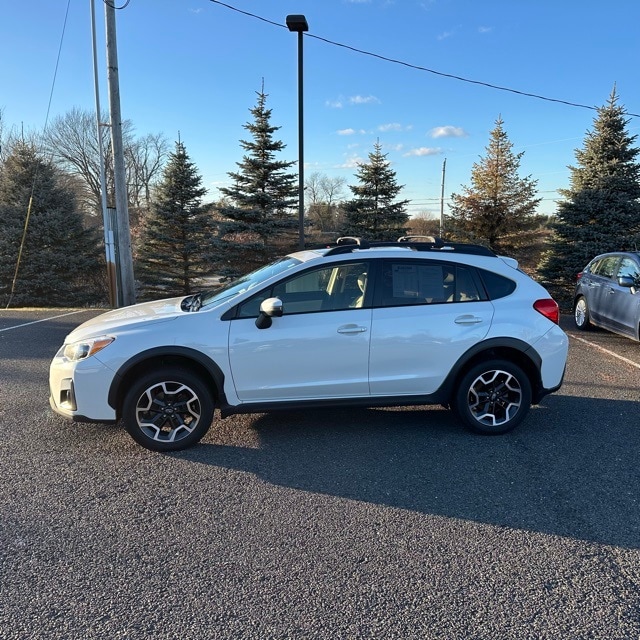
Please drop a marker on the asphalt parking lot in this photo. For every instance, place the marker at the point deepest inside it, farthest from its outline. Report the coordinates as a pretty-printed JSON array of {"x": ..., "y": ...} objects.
[{"x": 349, "y": 524}]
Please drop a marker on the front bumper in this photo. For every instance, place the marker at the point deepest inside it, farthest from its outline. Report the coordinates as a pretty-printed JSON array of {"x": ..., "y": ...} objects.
[{"x": 78, "y": 390}]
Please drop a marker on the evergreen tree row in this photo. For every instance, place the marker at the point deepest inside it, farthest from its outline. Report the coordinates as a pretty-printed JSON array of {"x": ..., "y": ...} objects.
[{"x": 49, "y": 256}]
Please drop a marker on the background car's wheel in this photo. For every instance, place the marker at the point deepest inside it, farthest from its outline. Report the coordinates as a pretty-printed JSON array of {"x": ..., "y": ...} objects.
[
  {"x": 581, "y": 314},
  {"x": 168, "y": 410},
  {"x": 493, "y": 397}
]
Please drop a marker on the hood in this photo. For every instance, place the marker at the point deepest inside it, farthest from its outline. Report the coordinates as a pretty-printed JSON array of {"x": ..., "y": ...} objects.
[{"x": 128, "y": 318}]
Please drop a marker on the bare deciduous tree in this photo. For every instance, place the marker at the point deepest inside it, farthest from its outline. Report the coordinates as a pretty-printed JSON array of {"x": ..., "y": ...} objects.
[
  {"x": 323, "y": 195},
  {"x": 72, "y": 141}
]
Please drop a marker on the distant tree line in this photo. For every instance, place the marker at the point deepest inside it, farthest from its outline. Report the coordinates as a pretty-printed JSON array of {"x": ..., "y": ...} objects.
[{"x": 52, "y": 253}]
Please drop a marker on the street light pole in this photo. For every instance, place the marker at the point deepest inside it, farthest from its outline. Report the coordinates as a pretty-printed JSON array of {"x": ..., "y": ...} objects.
[{"x": 298, "y": 23}]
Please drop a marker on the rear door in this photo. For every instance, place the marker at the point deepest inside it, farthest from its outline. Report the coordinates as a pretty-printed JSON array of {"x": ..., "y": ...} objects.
[
  {"x": 426, "y": 315},
  {"x": 600, "y": 290}
]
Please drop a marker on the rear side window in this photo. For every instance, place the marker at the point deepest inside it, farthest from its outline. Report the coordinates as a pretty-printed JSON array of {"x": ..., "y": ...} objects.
[
  {"x": 592, "y": 267},
  {"x": 607, "y": 267},
  {"x": 420, "y": 282},
  {"x": 497, "y": 286}
]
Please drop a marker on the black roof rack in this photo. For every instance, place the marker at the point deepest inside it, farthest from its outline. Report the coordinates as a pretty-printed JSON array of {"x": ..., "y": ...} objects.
[{"x": 348, "y": 244}]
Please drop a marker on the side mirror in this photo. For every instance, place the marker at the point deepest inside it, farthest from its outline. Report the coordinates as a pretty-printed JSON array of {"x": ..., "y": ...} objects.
[
  {"x": 626, "y": 281},
  {"x": 270, "y": 308}
]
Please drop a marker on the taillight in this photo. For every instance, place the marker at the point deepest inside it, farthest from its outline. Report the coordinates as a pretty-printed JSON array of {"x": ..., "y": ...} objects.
[
  {"x": 548, "y": 308},
  {"x": 579, "y": 276}
]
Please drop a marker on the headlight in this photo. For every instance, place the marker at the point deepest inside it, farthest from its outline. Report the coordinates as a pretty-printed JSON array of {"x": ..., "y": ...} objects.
[{"x": 85, "y": 348}]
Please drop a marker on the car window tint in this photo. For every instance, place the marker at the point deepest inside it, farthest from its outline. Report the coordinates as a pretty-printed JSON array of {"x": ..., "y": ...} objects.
[
  {"x": 607, "y": 267},
  {"x": 331, "y": 288},
  {"x": 592, "y": 267},
  {"x": 465, "y": 286},
  {"x": 628, "y": 268},
  {"x": 251, "y": 308},
  {"x": 410, "y": 283},
  {"x": 497, "y": 286}
]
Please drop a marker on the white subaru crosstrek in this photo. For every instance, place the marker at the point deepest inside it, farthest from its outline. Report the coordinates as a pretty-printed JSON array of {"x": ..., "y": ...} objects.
[{"x": 366, "y": 324}]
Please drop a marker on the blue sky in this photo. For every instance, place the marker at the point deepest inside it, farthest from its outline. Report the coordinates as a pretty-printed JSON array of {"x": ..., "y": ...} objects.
[{"x": 193, "y": 67}]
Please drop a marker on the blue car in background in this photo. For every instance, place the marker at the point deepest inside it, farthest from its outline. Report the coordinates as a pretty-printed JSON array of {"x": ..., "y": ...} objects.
[{"x": 607, "y": 294}]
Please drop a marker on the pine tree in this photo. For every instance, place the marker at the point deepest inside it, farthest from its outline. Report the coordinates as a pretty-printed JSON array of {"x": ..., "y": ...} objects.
[
  {"x": 260, "y": 202},
  {"x": 601, "y": 209},
  {"x": 499, "y": 208},
  {"x": 60, "y": 262},
  {"x": 373, "y": 213},
  {"x": 175, "y": 244}
]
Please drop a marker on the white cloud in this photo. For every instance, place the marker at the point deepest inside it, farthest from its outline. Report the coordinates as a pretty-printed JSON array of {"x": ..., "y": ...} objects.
[
  {"x": 334, "y": 104},
  {"x": 424, "y": 151},
  {"x": 448, "y": 131},
  {"x": 445, "y": 35},
  {"x": 350, "y": 132},
  {"x": 485, "y": 29},
  {"x": 363, "y": 100},
  {"x": 392, "y": 126},
  {"x": 351, "y": 162}
]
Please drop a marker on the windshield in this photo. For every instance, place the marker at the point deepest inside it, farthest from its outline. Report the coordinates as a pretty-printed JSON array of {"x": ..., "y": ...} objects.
[{"x": 248, "y": 281}]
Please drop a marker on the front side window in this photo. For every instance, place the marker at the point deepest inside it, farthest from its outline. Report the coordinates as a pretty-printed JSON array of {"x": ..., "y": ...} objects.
[
  {"x": 249, "y": 281},
  {"x": 331, "y": 288},
  {"x": 629, "y": 269}
]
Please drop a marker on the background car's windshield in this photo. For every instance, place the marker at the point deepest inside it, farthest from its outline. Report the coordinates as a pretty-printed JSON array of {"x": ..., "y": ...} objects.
[{"x": 249, "y": 281}]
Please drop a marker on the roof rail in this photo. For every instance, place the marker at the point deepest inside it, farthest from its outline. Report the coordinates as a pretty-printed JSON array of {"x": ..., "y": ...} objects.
[
  {"x": 348, "y": 244},
  {"x": 419, "y": 239}
]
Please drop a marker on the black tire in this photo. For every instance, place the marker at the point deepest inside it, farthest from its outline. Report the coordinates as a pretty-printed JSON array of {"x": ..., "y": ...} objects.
[
  {"x": 493, "y": 397},
  {"x": 581, "y": 315},
  {"x": 168, "y": 410}
]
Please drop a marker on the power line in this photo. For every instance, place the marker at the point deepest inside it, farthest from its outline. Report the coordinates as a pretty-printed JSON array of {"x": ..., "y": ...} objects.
[
  {"x": 420, "y": 68},
  {"x": 113, "y": 6}
]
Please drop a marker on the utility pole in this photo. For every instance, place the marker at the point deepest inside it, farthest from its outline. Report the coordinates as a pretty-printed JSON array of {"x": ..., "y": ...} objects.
[
  {"x": 444, "y": 167},
  {"x": 110, "y": 252},
  {"x": 124, "y": 257}
]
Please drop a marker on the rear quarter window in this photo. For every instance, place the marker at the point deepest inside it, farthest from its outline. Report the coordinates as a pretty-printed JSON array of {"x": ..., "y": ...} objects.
[
  {"x": 497, "y": 286},
  {"x": 606, "y": 267}
]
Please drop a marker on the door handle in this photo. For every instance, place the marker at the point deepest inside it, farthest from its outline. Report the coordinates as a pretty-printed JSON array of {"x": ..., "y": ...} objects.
[
  {"x": 468, "y": 319},
  {"x": 351, "y": 328}
]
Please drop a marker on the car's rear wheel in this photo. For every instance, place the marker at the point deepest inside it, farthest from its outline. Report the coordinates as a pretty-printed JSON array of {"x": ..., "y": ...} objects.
[
  {"x": 493, "y": 397},
  {"x": 581, "y": 314},
  {"x": 168, "y": 410}
]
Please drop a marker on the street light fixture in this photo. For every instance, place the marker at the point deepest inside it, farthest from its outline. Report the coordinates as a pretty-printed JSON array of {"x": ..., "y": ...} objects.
[{"x": 298, "y": 23}]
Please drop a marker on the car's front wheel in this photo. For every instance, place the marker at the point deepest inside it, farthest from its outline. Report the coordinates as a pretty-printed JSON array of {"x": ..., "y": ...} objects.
[
  {"x": 168, "y": 410},
  {"x": 493, "y": 397},
  {"x": 581, "y": 314}
]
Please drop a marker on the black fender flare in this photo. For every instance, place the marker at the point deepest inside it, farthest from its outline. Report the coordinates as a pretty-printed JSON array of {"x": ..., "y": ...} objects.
[
  {"x": 169, "y": 351},
  {"x": 494, "y": 345}
]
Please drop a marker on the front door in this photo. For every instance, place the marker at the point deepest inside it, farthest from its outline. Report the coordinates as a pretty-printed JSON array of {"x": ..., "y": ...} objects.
[{"x": 318, "y": 349}]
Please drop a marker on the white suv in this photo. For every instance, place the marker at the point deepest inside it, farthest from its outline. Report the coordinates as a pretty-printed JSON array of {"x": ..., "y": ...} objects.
[{"x": 379, "y": 324}]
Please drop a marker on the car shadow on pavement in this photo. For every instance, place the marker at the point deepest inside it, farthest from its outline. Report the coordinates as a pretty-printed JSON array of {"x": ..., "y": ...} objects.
[{"x": 571, "y": 469}]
